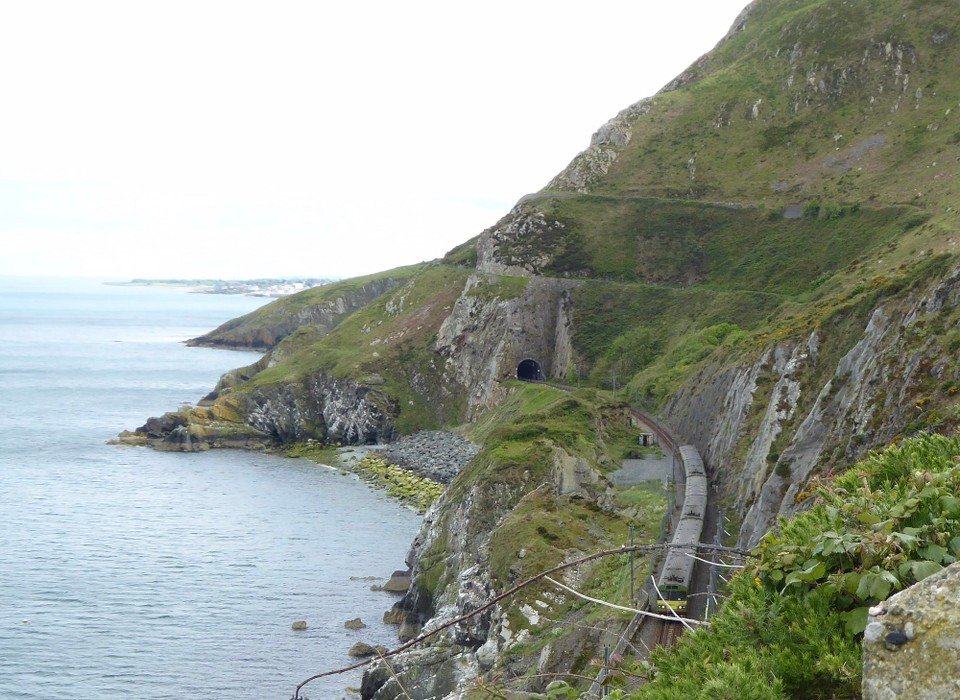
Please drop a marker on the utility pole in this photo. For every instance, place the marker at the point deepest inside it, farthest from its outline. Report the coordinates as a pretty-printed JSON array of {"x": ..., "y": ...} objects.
[
  {"x": 606, "y": 666},
  {"x": 712, "y": 586}
]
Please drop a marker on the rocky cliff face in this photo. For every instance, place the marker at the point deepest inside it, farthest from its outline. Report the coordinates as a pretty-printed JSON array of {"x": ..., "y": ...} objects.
[
  {"x": 321, "y": 408},
  {"x": 766, "y": 426},
  {"x": 486, "y": 337},
  {"x": 452, "y": 576}
]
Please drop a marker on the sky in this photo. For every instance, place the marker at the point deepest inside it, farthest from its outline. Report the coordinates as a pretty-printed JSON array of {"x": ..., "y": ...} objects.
[{"x": 232, "y": 139}]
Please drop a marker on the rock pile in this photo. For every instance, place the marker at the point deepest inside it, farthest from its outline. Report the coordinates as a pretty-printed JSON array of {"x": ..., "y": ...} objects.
[{"x": 435, "y": 454}]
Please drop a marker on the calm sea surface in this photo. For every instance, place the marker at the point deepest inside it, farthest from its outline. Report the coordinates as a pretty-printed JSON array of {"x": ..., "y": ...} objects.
[{"x": 128, "y": 573}]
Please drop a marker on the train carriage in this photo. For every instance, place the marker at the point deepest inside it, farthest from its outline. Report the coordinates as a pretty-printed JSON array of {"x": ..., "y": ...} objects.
[{"x": 677, "y": 572}]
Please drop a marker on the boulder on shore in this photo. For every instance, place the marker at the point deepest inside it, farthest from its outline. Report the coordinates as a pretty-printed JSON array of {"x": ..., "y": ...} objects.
[
  {"x": 363, "y": 650},
  {"x": 395, "y": 616},
  {"x": 399, "y": 582}
]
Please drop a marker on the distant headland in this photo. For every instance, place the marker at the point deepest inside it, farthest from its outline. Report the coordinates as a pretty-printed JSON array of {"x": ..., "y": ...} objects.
[{"x": 266, "y": 287}]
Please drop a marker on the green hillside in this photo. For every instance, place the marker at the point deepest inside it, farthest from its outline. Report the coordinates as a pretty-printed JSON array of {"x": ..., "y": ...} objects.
[
  {"x": 813, "y": 99},
  {"x": 811, "y": 155}
]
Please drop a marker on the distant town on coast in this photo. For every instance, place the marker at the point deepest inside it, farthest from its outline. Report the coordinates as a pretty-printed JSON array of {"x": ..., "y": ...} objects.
[{"x": 253, "y": 287}]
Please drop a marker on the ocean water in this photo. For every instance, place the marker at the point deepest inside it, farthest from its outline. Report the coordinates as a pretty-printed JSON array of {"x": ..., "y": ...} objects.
[{"x": 128, "y": 573}]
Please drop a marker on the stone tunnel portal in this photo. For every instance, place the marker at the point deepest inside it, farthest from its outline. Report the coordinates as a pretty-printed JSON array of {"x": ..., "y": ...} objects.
[{"x": 530, "y": 370}]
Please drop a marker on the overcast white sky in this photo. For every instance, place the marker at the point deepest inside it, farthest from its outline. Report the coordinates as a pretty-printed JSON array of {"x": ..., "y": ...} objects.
[{"x": 233, "y": 139}]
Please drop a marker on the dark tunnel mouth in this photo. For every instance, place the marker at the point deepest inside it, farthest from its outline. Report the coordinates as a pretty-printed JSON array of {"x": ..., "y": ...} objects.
[{"x": 529, "y": 370}]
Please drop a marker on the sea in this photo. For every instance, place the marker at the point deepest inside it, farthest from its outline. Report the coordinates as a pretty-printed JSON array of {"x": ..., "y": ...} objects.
[{"x": 135, "y": 574}]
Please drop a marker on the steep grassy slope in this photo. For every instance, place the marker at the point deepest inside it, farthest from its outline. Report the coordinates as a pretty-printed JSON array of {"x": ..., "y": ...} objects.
[
  {"x": 813, "y": 150},
  {"x": 750, "y": 238},
  {"x": 812, "y": 99},
  {"x": 671, "y": 244}
]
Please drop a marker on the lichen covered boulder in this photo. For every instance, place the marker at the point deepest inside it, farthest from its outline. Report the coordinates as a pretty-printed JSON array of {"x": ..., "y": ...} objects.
[{"x": 911, "y": 647}]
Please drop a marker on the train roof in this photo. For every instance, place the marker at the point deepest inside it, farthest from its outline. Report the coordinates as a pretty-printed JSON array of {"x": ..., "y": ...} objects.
[
  {"x": 677, "y": 569},
  {"x": 678, "y": 566}
]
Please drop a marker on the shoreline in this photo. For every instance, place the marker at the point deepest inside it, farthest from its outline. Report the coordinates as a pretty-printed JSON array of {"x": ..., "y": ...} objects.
[
  {"x": 415, "y": 470},
  {"x": 266, "y": 287}
]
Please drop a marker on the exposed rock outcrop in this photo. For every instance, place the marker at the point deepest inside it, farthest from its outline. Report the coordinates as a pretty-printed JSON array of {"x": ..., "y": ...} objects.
[
  {"x": 430, "y": 672},
  {"x": 911, "y": 647},
  {"x": 322, "y": 408},
  {"x": 504, "y": 249},
  {"x": 484, "y": 339},
  {"x": 765, "y": 428}
]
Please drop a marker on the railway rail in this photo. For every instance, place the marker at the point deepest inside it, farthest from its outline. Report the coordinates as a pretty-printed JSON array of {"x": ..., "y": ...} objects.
[{"x": 669, "y": 633}]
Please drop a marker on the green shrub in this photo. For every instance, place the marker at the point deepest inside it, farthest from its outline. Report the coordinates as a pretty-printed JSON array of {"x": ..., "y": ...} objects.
[{"x": 791, "y": 626}]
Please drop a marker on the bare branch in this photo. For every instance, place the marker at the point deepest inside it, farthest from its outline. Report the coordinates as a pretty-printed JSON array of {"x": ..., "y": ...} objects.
[
  {"x": 714, "y": 563},
  {"x": 626, "y": 549}
]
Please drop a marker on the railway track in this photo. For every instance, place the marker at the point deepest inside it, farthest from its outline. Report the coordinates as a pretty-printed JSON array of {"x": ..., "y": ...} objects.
[
  {"x": 664, "y": 633},
  {"x": 669, "y": 632}
]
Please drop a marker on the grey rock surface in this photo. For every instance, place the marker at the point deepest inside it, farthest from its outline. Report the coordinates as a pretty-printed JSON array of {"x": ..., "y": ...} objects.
[
  {"x": 911, "y": 647},
  {"x": 766, "y": 424},
  {"x": 437, "y": 454}
]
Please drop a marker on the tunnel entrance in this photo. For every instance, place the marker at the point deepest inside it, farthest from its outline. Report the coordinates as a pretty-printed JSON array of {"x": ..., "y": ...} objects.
[{"x": 530, "y": 371}]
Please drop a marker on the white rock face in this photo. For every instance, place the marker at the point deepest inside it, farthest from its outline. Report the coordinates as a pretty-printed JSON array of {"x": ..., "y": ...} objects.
[
  {"x": 484, "y": 340},
  {"x": 789, "y": 400},
  {"x": 911, "y": 647},
  {"x": 503, "y": 249}
]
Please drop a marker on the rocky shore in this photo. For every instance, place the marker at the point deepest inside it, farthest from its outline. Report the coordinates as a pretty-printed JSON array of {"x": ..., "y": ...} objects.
[
  {"x": 415, "y": 470},
  {"x": 435, "y": 454}
]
